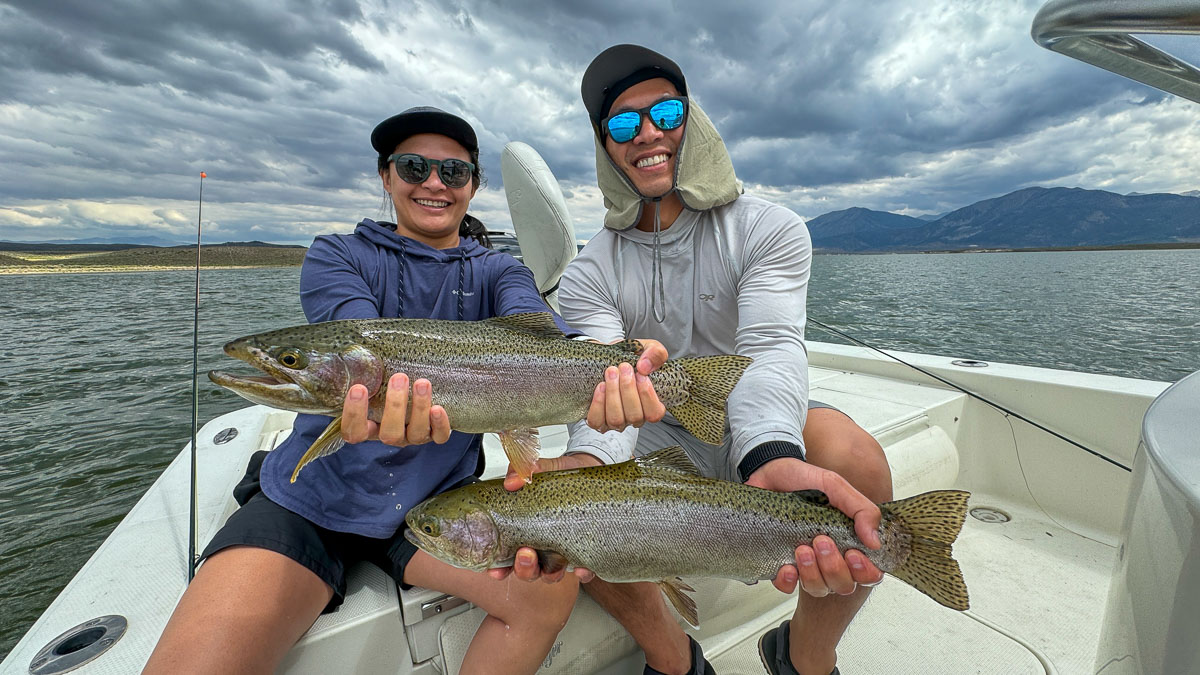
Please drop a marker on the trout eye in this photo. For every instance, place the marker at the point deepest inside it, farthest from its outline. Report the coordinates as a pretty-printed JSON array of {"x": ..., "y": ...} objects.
[
  {"x": 430, "y": 527},
  {"x": 291, "y": 358}
]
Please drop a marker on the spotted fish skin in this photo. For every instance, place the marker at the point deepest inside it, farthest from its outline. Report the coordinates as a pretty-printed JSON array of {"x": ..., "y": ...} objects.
[
  {"x": 508, "y": 373},
  {"x": 655, "y": 519}
]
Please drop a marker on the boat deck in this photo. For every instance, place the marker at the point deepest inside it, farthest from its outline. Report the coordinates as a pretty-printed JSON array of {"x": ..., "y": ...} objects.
[
  {"x": 1037, "y": 585},
  {"x": 1060, "y": 577}
]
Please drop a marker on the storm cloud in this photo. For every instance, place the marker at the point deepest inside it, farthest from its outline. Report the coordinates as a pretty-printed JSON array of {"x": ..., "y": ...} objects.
[{"x": 110, "y": 111}]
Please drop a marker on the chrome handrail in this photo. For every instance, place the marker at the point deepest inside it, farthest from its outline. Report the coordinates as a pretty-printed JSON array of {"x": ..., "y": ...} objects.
[{"x": 1098, "y": 32}]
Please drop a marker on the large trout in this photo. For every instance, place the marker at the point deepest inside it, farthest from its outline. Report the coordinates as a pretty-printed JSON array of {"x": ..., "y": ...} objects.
[
  {"x": 508, "y": 375},
  {"x": 656, "y": 519}
]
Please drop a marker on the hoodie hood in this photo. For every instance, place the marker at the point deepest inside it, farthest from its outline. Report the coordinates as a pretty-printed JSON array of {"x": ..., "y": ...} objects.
[
  {"x": 384, "y": 235},
  {"x": 704, "y": 176}
]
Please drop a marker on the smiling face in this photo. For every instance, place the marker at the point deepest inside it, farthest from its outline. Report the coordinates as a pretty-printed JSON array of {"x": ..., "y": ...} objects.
[
  {"x": 649, "y": 159},
  {"x": 429, "y": 212}
]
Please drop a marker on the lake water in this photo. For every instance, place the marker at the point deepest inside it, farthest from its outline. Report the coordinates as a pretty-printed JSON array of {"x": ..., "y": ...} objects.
[{"x": 95, "y": 369}]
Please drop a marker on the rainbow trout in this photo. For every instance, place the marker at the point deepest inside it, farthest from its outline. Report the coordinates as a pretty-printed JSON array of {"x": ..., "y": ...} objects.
[
  {"x": 656, "y": 519},
  {"x": 508, "y": 375}
]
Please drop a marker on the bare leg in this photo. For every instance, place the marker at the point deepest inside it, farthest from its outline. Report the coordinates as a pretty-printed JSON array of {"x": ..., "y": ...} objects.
[
  {"x": 833, "y": 441},
  {"x": 243, "y": 611},
  {"x": 641, "y": 609},
  {"x": 523, "y": 617}
]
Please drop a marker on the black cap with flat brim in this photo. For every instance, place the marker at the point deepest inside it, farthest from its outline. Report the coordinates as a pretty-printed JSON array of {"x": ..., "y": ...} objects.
[
  {"x": 422, "y": 120},
  {"x": 620, "y": 67}
]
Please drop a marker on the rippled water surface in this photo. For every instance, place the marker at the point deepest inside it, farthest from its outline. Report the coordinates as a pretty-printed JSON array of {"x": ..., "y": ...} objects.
[{"x": 95, "y": 369}]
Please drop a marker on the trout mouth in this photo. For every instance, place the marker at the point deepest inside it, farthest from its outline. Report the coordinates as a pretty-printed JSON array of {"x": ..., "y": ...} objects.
[
  {"x": 269, "y": 391},
  {"x": 275, "y": 383},
  {"x": 265, "y": 383},
  {"x": 277, "y": 388}
]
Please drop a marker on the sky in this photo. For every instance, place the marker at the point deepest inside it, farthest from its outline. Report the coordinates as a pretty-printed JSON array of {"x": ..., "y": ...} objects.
[{"x": 109, "y": 111}]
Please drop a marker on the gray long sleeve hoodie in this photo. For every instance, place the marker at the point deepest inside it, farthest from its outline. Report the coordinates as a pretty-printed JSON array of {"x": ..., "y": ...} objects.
[{"x": 735, "y": 272}]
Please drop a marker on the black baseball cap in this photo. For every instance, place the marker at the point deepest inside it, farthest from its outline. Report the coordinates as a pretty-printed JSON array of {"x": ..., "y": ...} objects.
[
  {"x": 422, "y": 120},
  {"x": 620, "y": 67}
]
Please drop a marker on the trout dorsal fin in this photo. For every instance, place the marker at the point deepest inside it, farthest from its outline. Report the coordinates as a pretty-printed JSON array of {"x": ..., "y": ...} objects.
[
  {"x": 673, "y": 459},
  {"x": 632, "y": 346},
  {"x": 812, "y": 497},
  {"x": 540, "y": 324}
]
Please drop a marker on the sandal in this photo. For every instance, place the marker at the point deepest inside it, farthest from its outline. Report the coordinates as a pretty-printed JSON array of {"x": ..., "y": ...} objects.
[{"x": 773, "y": 650}]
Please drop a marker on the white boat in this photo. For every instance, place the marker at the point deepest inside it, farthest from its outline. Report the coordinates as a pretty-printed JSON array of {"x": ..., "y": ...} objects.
[{"x": 1081, "y": 555}]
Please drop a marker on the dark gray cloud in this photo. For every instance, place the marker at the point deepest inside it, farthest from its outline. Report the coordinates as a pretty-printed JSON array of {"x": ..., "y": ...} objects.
[{"x": 109, "y": 111}]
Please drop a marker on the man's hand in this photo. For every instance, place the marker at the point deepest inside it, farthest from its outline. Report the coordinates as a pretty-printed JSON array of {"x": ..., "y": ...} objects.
[
  {"x": 626, "y": 398},
  {"x": 525, "y": 563},
  {"x": 819, "y": 569},
  {"x": 426, "y": 423}
]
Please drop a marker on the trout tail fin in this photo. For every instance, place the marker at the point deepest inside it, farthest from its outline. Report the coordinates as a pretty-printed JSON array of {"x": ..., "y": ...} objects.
[
  {"x": 711, "y": 379},
  {"x": 934, "y": 520},
  {"x": 329, "y": 442}
]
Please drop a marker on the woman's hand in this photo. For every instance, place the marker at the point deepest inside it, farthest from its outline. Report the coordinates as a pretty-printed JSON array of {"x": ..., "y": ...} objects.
[
  {"x": 626, "y": 398},
  {"x": 399, "y": 426},
  {"x": 525, "y": 562}
]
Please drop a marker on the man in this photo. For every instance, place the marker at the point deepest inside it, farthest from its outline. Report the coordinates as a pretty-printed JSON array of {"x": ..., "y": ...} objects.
[{"x": 688, "y": 261}]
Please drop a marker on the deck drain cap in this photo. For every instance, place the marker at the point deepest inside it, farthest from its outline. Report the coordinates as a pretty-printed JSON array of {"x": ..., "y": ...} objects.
[
  {"x": 989, "y": 515},
  {"x": 78, "y": 645}
]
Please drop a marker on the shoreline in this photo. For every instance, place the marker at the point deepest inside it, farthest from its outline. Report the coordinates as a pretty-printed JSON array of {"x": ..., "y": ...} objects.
[
  {"x": 116, "y": 269},
  {"x": 1174, "y": 246}
]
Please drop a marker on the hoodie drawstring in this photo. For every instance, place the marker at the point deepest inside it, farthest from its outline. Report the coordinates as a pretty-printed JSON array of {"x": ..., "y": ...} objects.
[
  {"x": 657, "y": 297},
  {"x": 462, "y": 266},
  {"x": 402, "y": 258}
]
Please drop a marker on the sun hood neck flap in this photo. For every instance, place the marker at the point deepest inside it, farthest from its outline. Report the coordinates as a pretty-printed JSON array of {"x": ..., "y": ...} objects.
[{"x": 704, "y": 176}]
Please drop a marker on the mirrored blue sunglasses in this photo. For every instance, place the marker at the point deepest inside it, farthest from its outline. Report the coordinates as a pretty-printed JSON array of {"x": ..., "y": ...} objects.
[{"x": 667, "y": 114}]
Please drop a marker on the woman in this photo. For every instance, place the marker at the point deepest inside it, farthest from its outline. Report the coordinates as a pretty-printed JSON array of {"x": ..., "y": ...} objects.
[{"x": 280, "y": 560}]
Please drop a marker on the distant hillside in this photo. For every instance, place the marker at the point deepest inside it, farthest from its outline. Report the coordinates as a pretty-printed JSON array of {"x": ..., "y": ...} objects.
[
  {"x": 1037, "y": 217},
  {"x": 859, "y": 229},
  {"x": 79, "y": 246},
  {"x": 126, "y": 241},
  {"x": 74, "y": 247},
  {"x": 253, "y": 254}
]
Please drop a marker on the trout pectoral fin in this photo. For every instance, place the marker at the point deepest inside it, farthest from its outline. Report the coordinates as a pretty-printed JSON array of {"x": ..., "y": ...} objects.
[
  {"x": 552, "y": 561},
  {"x": 521, "y": 446},
  {"x": 677, "y": 592},
  {"x": 329, "y": 442}
]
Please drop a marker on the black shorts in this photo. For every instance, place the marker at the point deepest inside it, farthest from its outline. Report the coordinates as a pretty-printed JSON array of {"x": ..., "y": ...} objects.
[{"x": 264, "y": 524}]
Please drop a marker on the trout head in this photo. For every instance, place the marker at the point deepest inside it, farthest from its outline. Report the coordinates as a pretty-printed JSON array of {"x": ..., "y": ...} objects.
[
  {"x": 308, "y": 369},
  {"x": 455, "y": 530}
]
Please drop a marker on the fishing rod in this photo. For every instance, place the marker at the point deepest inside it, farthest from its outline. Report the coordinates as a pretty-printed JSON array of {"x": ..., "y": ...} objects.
[
  {"x": 972, "y": 394},
  {"x": 195, "y": 394}
]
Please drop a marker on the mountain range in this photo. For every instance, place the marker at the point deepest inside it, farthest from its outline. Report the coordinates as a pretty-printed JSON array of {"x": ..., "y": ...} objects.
[{"x": 1034, "y": 217}]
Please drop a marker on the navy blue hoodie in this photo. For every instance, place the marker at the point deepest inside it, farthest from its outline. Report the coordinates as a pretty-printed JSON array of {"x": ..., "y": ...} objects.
[{"x": 368, "y": 487}]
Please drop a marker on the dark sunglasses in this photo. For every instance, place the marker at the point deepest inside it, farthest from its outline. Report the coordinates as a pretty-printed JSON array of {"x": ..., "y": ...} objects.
[
  {"x": 413, "y": 168},
  {"x": 667, "y": 114}
]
